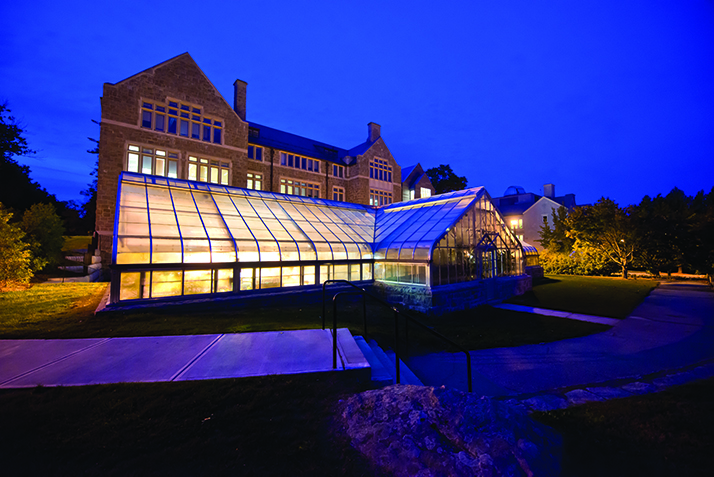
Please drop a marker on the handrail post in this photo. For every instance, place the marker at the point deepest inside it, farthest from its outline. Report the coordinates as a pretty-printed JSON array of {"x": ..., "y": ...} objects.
[
  {"x": 364, "y": 312},
  {"x": 324, "y": 284},
  {"x": 396, "y": 341},
  {"x": 334, "y": 332}
]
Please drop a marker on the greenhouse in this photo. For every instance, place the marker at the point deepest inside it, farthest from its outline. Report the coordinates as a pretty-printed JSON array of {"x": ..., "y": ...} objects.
[{"x": 176, "y": 238}]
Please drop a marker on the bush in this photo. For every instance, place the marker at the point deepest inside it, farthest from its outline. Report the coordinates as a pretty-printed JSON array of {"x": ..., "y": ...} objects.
[
  {"x": 577, "y": 262},
  {"x": 45, "y": 233},
  {"x": 16, "y": 261}
]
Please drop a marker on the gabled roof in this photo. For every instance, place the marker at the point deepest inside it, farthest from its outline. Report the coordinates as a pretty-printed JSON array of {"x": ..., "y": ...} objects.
[
  {"x": 409, "y": 230},
  {"x": 406, "y": 171},
  {"x": 285, "y": 141}
]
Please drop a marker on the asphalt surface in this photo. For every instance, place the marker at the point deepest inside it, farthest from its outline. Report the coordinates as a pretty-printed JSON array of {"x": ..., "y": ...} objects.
[{"x": 672, "y": 329}]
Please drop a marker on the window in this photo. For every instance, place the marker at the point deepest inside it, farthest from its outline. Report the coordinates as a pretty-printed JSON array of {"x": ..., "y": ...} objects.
[
  {"x": 425, "y": 192},
  {"x": 338, "y": 194},
  {"x": 147, "y": 160},
  {"x": 181, "y": 119},
  {"x": 299, "y": 162},
  {"x": 205, "y": 170},
  {"x": 255, "y": 181},
  {"x": 379, "y": 197},
  {"x": 545, "y": 220},
  {"x": 516, "y": 224},
  {"x": 255, "y": 152},
  {"x": 295, "y": 187},
  {"x": 338, "y": 171},
  {"x": 380, "y": 169}
]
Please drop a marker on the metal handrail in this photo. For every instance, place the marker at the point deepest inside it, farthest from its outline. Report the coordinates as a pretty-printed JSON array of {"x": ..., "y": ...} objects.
[{"x": 397, "y": 312}]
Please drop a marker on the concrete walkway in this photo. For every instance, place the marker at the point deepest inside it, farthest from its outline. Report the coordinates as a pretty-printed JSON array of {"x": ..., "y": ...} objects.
[
  {"x": 671, "y": 330},
  {"x": 75, "y": 362}
]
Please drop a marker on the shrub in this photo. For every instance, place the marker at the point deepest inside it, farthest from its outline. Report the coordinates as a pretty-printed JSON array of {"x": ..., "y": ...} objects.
[
  {"x": 16, "y": 261},
  {"x": 45, "y": 233}
]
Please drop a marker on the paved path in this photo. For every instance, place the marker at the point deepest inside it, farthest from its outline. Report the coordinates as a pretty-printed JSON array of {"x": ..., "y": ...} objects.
[
  {"x": 73, "y": 362},
  {"x": 671, "y": 330}
]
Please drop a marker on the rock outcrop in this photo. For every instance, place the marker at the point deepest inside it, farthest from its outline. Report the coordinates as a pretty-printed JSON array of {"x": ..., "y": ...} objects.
[{"x": 423, "y": 431}]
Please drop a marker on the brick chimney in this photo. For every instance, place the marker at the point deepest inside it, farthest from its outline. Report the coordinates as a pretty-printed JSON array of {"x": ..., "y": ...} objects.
[
  {"x": 375, "y": 131},
  {"x": 239, "y": 90},
  {"x": 549, "y": 191}
]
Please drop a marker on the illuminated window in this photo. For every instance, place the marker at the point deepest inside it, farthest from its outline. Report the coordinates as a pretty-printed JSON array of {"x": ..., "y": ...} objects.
[
  {"x": 338, "y": 194},
  {"x": 208, "y": 170},
  {"x": 380, "y": 169},
  {"x": 379, "y": 197},
  {"x": 181, "y": 119},
  {"x": 255, "y": 152},
  {"x": 296, "y": 187},
  {"x": 255, "y": 181},
  {"x": 516, "y": 224},
  {"x": 146, "y": 160},
  {"x": 425, "y": 192},
  {"x": 338, "y": 171}
]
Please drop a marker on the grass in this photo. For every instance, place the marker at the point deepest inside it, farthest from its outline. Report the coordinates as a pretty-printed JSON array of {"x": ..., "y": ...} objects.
[
  {"x": 48, "y": 310},
  {"x": 599, "y": 296},
  {"x": 66, "y": 311},
  {"x": 274, "y": 425},
  {"x": 76, "y": 242},
  {"x": 665, "y": 433}
]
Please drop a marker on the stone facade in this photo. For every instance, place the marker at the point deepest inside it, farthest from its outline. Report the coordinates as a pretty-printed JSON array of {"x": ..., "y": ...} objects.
[
  {"x": 182, "y": 81},
  {"x": 459, "y": 296}
]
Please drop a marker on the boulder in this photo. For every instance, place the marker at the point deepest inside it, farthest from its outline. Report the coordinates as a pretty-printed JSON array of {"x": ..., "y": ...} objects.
[{"x": 422, "y": 431}]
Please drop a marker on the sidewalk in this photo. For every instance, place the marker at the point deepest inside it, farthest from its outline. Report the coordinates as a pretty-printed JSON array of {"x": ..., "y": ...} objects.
[
  {"x": 672, "y": 329},
  {"x": 75, "y": 362}
]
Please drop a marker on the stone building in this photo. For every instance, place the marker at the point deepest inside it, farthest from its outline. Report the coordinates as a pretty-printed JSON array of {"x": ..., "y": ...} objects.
[{"x": 170, "y": 121}]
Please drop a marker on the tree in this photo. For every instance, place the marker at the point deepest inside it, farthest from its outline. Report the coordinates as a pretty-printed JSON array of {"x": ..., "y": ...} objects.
[
  {"x": 607, "y": 229},
  {"x": 17, "y": 190},
  {"x": 89, "y": 207},
  {"x": 45, "y": 233},
  {"x": 445, "y": 180},
  {"x": 559, "y": 239},
  {"x": 16, "y": 261}
]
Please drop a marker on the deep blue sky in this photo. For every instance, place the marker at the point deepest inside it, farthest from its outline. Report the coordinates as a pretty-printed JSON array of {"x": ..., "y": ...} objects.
[{"x": 612, "y": 98}]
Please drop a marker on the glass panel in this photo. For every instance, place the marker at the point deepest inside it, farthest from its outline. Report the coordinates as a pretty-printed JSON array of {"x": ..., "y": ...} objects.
[
  {"x": 197, "y": 281},
  {"x": 224, "y": 280},
  {"x": 166, "y": 250},
  {"x": 308, "y": 275},
  {"x": 146, "y": 164},
  {"x": 132, "y": 250},
  {"x": 130, "y": 285},
  {"x": 222, "y": 251},
  {"x": 291, "y": 276},
  {"x": 270, "y": 277},
  {"x": 246, "y": 279},
  {"x": 289, "y": 252},
  {"x": 269, "y": 251},
  {"x": 195, "y": 130},
  {"x": 224, "y": 177},
  {"x": 160, "y": 162},
  {"x": 196, "y": 251},
  {"x": 248, "y": 251},
  {"x": 184, "y": 128},
  {"x": 133, "y": 162},
  {"x": 325, "y": 273},
  {"x": 355, "y": 272},
  {"x": 341, "y": 272},
  {"x": 379, "y": 271},
  {"x": 165, "y": 283},
  {"x": 366, "y": 271}
]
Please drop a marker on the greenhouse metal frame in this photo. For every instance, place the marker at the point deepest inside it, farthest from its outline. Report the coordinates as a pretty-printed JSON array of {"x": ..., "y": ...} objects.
[{"x": 177, "y": 238}]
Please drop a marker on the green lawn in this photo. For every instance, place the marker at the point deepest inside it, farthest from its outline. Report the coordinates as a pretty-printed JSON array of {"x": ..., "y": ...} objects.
[
  {"x": 599, "y": 296},
  {"x": 273, "y": 425},
  {"x": 67, "y": 311},
  {"x": 665, "y": 433},
  {"x": 76, "y": 242}
]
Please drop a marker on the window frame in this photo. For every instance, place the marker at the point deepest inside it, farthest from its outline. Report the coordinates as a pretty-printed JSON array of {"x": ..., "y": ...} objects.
[
  {"x": 183, "y": 113},
  {"x": 142, "y": 151}
]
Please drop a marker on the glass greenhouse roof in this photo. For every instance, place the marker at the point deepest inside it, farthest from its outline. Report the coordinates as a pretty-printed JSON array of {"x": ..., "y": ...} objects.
[
  {"x": 162, "y": 220},
  {"x": 408, "y": 231}
]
